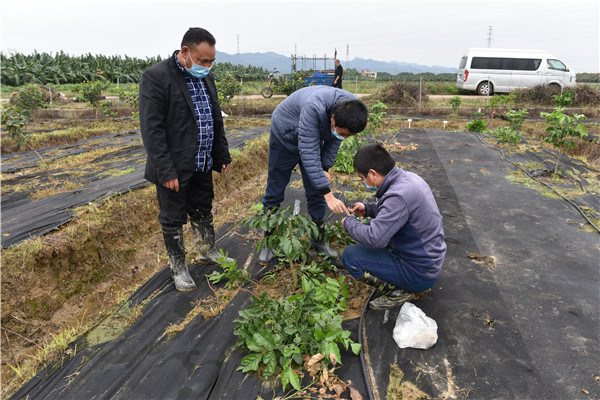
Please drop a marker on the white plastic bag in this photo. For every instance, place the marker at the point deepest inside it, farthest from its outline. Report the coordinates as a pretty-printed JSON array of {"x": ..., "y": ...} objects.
[{"x": 414, "y": 328}]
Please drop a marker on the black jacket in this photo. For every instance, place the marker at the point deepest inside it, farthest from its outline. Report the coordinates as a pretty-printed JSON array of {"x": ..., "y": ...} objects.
[{"x": 168, "y": 124}]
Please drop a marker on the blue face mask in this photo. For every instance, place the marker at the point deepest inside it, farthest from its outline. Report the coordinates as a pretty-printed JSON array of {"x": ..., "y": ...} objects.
[
  {"x": 334, "y": 133},
  {"x": 373, "y": 188},
  {"x": 197, "y": 71}
]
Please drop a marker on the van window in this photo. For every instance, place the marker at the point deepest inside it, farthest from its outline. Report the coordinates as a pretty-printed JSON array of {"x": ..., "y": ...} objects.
[
  {"x": 463, "y": 63},
  {"x": 502, "y": 63},
  {"x": 556, "y": 64},
  {"x": 526, "y": 64}
]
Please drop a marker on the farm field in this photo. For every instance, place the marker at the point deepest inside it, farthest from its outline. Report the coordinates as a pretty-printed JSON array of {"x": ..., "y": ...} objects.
[{"x": 81, "y": 271}]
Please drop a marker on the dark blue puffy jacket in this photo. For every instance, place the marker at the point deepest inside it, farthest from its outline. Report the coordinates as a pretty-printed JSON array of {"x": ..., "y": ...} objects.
[{"x": 302, "y": 123}]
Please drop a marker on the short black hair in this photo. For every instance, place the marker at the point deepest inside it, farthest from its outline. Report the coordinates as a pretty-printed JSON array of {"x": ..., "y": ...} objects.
[
  {"x": 373, "y": 156},
  {"x": 195, "y": 36},
  {"x": 351, "y": 115}
]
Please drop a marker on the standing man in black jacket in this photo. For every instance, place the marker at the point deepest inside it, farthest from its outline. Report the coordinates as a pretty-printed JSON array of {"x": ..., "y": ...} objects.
[
  {"x": 339, "y": 71},
  {"x": 183, "y": 134}
]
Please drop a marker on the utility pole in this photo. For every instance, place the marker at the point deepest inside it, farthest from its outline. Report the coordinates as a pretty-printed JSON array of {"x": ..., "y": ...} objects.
[
  {"x": 238, "y": 49},
  {"x": 489, "y": 40},
  {"x": 347, "y": 56}
]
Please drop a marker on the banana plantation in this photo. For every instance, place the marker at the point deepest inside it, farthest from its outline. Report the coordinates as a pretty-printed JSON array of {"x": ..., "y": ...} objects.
[{"x": 60, "y": 68}]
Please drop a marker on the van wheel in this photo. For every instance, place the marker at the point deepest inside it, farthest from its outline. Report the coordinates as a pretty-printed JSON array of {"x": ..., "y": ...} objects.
[
  {"x": 555, "y": 86},
  {"x": 485, "y": 88}
]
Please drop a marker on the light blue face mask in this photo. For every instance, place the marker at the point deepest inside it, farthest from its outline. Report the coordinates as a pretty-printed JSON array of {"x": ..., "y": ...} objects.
[
  {"x": 197, "y": 71},
  {"x": 334, "y": 133},
  {"x": 373, "y": 188}
]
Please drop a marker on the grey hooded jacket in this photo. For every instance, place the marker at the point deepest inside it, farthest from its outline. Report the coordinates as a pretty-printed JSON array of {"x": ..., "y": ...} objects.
[{"x": 302, "y": 123}]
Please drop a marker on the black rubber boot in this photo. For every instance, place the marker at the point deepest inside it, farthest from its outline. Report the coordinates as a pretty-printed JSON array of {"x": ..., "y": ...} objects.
[
  {"x": 320, "y": 244},
  {"x": 265, "y": 255},
  {"x": 176, "y": 250},
  {"x": 203, "y": 231}
]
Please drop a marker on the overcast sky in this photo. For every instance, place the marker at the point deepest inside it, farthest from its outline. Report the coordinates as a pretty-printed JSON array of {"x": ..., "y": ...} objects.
[{"x": 423, "y": 32}]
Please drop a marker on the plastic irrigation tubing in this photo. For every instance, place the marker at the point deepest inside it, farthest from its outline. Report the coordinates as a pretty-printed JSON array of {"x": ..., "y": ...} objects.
[
  {"x": 543, "y": 183},
  {"x": 362, "y": 347},
  {"x": 584, "y": 166}
]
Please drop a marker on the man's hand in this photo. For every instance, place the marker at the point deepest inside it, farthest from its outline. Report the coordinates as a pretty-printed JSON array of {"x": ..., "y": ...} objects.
[
  {"x": 335, "y": 205},
  {"x": 173, "y": 184},
  {"x": 225, "y": 167},
  {"x": 358, "y": 208}
]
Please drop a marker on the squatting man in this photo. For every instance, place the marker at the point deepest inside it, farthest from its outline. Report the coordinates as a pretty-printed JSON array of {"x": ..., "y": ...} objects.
[{"x": 403, "y": 243}]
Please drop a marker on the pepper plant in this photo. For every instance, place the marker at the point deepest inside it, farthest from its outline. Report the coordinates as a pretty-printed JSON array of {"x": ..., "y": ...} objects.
[
  {"x": 344, "y": 161},
  {"x": 90, "y": 92},
  {"x": 455, "y": 104},
  {"x": 515, "y": 119},
  {"x": 14, "y": 122},
  {"x": 289, "y": 236},
  {"x": 231, "y": 272},
  {"x": 477, "y": 125},
  {"x": 562, "y": 130},
  {"x": 279, "y": 333}
]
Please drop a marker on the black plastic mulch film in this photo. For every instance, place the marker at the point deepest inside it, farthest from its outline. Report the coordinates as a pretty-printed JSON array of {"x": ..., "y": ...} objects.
[{"x": 526, "y": 328}]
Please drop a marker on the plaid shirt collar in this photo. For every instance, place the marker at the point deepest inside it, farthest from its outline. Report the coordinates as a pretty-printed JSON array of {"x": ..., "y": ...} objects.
[{"x": 204, "y": 119}]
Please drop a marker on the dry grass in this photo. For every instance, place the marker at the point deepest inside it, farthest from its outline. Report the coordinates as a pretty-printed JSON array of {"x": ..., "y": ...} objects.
[
  {"x": 73, "y": 275},
  {"x": 399, "y": 94},
  {"x": 46, "y": 134},
  {"x": 584, "y": 96}
]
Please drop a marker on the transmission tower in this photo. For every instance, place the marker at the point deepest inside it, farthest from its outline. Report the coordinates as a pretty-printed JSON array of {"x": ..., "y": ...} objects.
[
  {"x": 489, "y": 40},
  {"x": 238, "y": 49},
  {"x": 347, "y": 56}
]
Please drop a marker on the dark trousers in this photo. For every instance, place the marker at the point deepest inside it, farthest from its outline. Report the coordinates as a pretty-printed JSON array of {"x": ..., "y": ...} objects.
[
  {"x": 383, "y": 264},
  {"x": 281, "y": 164},
  {"x": 194, "y": 198}
]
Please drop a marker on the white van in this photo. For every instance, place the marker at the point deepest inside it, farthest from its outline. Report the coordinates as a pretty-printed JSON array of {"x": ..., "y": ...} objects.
[{"x": 503, "y": 70}]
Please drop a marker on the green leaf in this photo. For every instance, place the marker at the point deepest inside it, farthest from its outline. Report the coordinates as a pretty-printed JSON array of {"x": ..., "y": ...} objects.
[
  {"x": 319, "y": 335},
  {"x": 285, "y": 245},
  {"x": 288, "y": 376},
  {"x": 333, "y": 332},
  {"x": 329, "y": 347},
  {"x": 271, "y": 362},
  {"x": 250, "y": 362},
  {"x": 355, "y": 348},
  {"x": 253, "y": 345},
  {"x": 265, "y": 339},
  {"x": 307, "y": 285}
]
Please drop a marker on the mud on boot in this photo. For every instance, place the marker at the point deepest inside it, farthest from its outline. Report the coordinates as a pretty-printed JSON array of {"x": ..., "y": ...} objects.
[
  {"x": 176, "y": 250},
  {"x": 203, "y": 231}
]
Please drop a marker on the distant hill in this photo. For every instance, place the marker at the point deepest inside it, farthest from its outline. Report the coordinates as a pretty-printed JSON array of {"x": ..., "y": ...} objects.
[{"x": 271, "y": 60}]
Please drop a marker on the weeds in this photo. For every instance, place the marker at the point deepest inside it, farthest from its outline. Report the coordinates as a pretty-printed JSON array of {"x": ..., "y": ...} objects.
[
  {"x": 506, "y": 134},
  {"x": 79, "y": 130},
  {"x": 477, "y": 125},
  {"x": 54, "y": 349}
]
